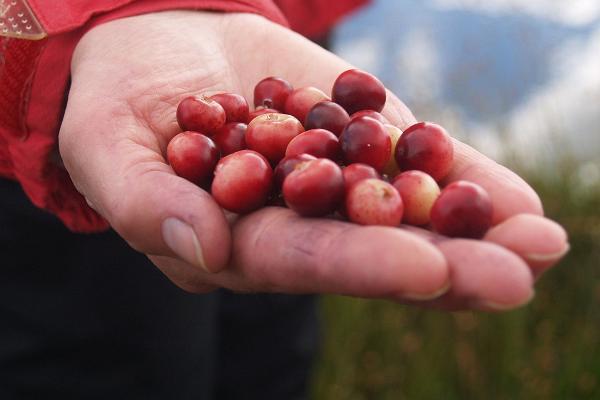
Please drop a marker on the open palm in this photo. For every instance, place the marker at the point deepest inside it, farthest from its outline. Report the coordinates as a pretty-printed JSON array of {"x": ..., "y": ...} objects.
[{"x": 127, "y": 79}]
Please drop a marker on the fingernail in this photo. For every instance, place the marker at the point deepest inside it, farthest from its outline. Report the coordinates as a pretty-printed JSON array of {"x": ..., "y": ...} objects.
[
  {"x": 548, "y": 257},
  {"x": 428, "y": 296},
  {"x": 182, "y": 240},
  {"x": 494, "y": 306}
]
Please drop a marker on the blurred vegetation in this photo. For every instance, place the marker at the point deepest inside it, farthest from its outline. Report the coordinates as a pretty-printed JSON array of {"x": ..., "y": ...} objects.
[{"x": 547, "y": 350}]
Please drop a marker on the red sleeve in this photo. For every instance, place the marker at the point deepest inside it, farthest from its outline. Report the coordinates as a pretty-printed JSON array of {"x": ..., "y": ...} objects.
[
  {"x": 33, "y": 84},
  {"x": 313, "y": 18},
  {"x": 67, "y": 15}
]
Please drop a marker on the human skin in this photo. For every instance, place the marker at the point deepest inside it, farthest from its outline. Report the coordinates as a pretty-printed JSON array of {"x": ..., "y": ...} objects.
[{"x": 128, "y": 77}]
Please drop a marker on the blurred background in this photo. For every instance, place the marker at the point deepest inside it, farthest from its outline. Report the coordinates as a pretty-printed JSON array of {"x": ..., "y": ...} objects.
[{"x": 520, "y": 81}]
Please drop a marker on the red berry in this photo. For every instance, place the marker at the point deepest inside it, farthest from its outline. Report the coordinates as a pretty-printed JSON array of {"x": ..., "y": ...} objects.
[
  {"x": 419, "y": 191},
  {"x": 272, "y": 92},
  {"x": 192, "y": 156},
  {"x": 463, "y": 209},
  {"x": 365, "y": 140},
  {"x": 200, "y": 114},
  {"x": 235, "y": 106},
  {"x": 230, "y": 138},
  {"x": 270, "y": 134},
  {"x": 301, "y": 100},
  {"x": 357, "y": 90},
  {"x": 427, "y": 147},
  {"x": 287, "y": 165},
  {"x": 356, "y": 172},
  {"x": 370, "y": 113},
  {"x": 327, "y": 115},
  {"x": 374, "y": 202},
  {"x": 315, "y": 188},
  {"x": 260, "y": 111},
  {"x": 242, "y": 181},
  {"x": 317, "y": 142}
]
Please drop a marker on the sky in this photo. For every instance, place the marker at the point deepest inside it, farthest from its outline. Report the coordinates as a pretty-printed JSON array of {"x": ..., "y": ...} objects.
[
  {"x": 571, "y": 12},
  {"x": 522, "y": 73}
]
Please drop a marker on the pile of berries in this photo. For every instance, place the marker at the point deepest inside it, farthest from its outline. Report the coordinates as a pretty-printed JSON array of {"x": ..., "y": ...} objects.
[{"x": 321, "y": 155}]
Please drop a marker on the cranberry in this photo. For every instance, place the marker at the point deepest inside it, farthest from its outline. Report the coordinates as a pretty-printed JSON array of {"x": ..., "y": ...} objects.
[
  {"x": 242, "y": 181},
  {"x": 370, "y": 113},
  {"x": 463, "y": 209},
  {"x": 287, "y": 165},
  {"x": 260, "y": 111},
  {"x": 357, "y": 172},
  {"x": 235, "y": 106},
  {"x": 272, "y": 92},
  {"x": 419, "y": 191},
  {"x": 230, "y": 137},
  {"x": 427, "y": 147},
  {"x": 317, "y": 142},
  {"x": 192, "y": 156},
  {"x": 357, "y": 90},
  {"x": 315, "y": 188},
  {"x": 327, "y": 115},
  {"x": 200, "y": 114},
  {"x": 374, "y": 202},
  {"x": 270, "y": 134},
  {"x": 365, "y": 140},
  {"x": 301, "y": 100}
]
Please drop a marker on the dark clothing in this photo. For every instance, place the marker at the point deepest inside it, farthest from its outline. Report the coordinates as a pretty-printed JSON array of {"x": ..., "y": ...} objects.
[{"x": 86, "y": 317}]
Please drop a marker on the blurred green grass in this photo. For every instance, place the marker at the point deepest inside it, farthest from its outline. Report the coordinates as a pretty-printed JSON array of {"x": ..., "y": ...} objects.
[{"x": 549, "y": 349}]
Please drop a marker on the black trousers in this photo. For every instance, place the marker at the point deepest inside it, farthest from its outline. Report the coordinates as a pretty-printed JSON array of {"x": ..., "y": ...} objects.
[{"x": 86, "y": 317}]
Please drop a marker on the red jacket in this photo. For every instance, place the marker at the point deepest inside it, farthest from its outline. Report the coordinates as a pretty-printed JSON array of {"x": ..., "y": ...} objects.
[{"x": 34, "y": 78}]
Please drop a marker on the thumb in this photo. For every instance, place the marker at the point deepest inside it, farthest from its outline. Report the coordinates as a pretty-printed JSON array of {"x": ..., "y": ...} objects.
[{"x": 124, "y": 177}]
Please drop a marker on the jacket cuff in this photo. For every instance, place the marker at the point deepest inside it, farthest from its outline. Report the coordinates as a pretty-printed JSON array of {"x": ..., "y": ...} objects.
[{"x": 66, "y": 15}]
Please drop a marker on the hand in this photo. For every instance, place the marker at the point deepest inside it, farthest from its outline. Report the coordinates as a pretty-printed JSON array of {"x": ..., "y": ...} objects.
[{"x": 127, "y": 79}]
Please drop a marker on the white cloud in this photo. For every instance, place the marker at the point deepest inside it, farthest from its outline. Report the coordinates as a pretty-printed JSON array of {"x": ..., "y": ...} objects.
[
  {"x": 564, "y": 115},
  {"x": 569, "y": 12},
  {"x": 418, "y": 62}
]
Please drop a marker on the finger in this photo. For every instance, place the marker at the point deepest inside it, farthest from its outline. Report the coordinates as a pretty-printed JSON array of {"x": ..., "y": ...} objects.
[
  {"x": 510, "y": 194},
  {"x": 539, "y": 241},
  {"x": 119, "y": 168},
  {"x": 277, "y": 251},
  {"x": 485, "y": 276}
]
